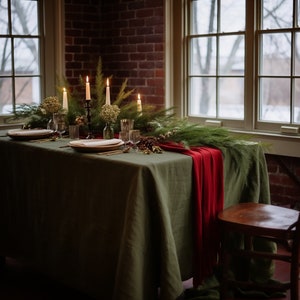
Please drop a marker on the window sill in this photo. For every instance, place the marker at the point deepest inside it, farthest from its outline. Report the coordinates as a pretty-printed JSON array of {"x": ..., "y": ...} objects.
[{"x": 280, "y": 144}]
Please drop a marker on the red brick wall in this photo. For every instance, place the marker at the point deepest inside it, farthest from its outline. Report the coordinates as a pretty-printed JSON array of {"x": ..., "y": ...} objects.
[
  {"x": 82, "y": 39},
  {"x": 284, "y": 175},
  {"x": 129, "y": 37}
]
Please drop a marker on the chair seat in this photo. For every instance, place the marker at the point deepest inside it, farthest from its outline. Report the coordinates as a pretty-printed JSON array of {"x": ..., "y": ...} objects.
[
  {"x": 256, "y": 216},
  {"x": 256, "y": 220}
]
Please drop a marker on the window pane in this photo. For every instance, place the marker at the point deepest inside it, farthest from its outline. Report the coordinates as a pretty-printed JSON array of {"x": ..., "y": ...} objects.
[
  {"x": 298, "y": 17},
  {"x": 275, "y": 99},
  {"x": 204, "y": 16},
  {"x": 3, "y": 17},
  {"x": 232, "y": 15},
  {"x": 6, "y": 95},
  {"x": 297, "y": 102},
  {"x": 5, "y": 56},
  {"x": 297, "y": 54},
  {"x": 231, "y": 98},
  {"x": 24, "y": 17},
  {"x": 27, "y": 90},
  {"x": 203, "y": 56},
  {"x": 231, "y": 59},
  {"x": 203, "y": 97},
  {"x": 277, "y": 14},
  {"x": 276, "y": 54},
  {"x": 26, "y": 56}
]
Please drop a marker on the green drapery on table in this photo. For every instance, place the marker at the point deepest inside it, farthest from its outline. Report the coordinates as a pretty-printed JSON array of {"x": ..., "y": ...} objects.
[{"x": 115, "y": 227}]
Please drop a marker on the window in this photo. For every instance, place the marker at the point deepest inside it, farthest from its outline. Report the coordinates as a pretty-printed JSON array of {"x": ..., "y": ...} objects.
[
  {"x": 29, "y": 51},
  {"x": 278, "y": 71},
  {"x": 20, "y": 54},
  {"x": 216, "y": 53},
  {"x": 237, "y": 64}
]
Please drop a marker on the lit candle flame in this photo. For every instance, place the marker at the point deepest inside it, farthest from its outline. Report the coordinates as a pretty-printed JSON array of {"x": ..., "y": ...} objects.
[
  {"x": 65, "y": 99},
  {"x": 139, "y": 104}
]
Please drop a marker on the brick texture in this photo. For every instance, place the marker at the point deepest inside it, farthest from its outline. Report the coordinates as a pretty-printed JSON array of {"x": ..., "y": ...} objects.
[
  {"x": 284, "y": 176},
  {"x": 129, "y": 37},
  {"x": 82, "y": 39}
]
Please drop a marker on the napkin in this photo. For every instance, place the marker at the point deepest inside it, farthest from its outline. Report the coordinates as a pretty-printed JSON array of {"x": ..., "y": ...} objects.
[
  {"x": 28, "y": 132},
  {"x": 96, "y": 143}
]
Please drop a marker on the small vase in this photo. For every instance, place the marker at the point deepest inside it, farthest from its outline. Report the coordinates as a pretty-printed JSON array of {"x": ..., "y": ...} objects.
[
  {"x": 108, "y": 131},
  {"x": 50, "y": 124}
]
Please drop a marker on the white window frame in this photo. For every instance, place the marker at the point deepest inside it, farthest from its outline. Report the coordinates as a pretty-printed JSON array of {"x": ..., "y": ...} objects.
[
  {"x": 52, "y": 61},
  {"x": 176, "y": 16}
]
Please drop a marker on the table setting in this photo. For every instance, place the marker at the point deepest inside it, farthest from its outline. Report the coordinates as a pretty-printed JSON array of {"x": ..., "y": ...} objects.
[{"x": 139, "y": 194}]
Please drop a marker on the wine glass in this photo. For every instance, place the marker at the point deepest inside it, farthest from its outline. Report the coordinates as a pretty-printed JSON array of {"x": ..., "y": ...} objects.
[
  {"x": 60, "y": 123},
  {"x": 134, "y": 137},
  {"x": 124, "y": 136}
]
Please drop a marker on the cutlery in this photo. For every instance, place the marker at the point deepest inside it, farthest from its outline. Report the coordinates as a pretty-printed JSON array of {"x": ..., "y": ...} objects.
[
  {"x": 40, "y": 140},
  {"x": 112, "y": 152}
]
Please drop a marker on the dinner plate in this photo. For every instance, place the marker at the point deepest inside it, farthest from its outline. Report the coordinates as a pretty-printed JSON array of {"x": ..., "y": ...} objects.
[
  {"x": 29, "y": 134},
  {"x": 96, "y": 145}
]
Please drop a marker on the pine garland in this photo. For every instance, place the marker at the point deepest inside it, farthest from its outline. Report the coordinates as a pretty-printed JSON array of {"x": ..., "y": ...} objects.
[
  {"x": 161, "y": 125},
  {"x": 172, "y": 129}
]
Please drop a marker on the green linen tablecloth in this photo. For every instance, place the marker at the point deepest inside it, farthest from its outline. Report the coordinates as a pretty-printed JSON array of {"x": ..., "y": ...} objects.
[{"x": 116, "y": 227}]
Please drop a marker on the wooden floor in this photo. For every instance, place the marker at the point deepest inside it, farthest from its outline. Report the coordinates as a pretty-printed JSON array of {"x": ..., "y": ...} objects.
[{"x": 19, "y": 282}]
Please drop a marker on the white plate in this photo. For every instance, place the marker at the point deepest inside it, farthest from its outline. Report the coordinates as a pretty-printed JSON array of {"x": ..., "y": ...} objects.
[
  {"x": 96, "y": 145},
  {"x": 29, "y": 134}
]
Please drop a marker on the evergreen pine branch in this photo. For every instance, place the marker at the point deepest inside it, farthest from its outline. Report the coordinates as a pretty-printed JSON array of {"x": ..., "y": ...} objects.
[
  {"x": 122, "y": 93},
  {"x": 172, "y": 129},
  {"x": 100, "y": 85}
]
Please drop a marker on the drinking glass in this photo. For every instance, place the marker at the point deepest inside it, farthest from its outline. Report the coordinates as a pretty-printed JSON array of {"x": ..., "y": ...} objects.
[
  {"x": 124, "y": 136},
  {"x": 126, "y": 124},
  {"x": 134, "y": 137},
  {"x": 60, "y": 123},
  {"x": 74, "y": 132}
]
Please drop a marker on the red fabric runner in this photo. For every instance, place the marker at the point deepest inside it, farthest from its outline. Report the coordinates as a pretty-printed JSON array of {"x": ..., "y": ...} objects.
[{"x": 209, "y": 200}]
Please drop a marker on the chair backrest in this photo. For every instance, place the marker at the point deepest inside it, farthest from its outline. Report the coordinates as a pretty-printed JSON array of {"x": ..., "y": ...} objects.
[{"x": 297, "y": 233}]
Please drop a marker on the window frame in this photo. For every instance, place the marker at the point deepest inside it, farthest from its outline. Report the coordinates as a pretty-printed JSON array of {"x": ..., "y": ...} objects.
[
  {"x": 51, "y": 50},
  {"x": 177, "y": 16}
]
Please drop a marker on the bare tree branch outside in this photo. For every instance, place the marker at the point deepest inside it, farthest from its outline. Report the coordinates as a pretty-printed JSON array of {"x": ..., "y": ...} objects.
[
  {"x": 217, "y": 60},
  {"x": 19, "y": 54}
]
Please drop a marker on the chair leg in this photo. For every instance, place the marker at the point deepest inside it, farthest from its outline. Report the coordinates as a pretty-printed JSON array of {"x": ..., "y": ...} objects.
[
  {"x": 295, "y": 272},
  {"x": 246, "y": 261},
  {"x": 224, "y": 268}
]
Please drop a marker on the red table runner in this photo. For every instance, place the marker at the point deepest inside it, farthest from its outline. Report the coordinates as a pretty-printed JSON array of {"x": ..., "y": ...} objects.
[{"x": 209, "y": 199}]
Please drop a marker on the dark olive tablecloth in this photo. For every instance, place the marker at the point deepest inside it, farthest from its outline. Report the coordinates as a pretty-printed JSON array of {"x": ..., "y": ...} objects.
[{"x": 116, "y": 227}]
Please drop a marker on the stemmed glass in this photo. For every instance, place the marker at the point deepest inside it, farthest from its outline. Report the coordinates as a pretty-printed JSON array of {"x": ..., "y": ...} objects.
[
  {"x": 134, "y": 137},
  {"x": 60, "y": 123},
  {"x": 124, "y": 136}
]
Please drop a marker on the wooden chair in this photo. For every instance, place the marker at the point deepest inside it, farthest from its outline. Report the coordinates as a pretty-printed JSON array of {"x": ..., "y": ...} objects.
[{"x": 252, "y": 220}]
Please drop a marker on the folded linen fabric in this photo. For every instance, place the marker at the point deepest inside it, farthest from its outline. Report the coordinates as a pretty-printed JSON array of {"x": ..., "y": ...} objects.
[
  {"x": 29, "y": 132},
  {"x": 96, "y": 143},
  {"x": 209, "y": 200}
]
